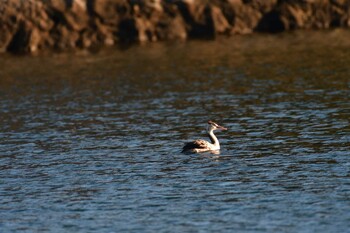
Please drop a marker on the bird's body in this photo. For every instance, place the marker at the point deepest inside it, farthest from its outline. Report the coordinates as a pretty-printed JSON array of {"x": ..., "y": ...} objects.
[{"x": 200, "y": 145}]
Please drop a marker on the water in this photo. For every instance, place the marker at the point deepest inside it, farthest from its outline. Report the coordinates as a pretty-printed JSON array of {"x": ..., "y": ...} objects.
[{"x": 91, "y": 142}]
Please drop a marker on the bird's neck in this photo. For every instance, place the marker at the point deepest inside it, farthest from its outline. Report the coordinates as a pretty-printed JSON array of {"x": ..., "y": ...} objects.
[{"x": 214, "y": 140}]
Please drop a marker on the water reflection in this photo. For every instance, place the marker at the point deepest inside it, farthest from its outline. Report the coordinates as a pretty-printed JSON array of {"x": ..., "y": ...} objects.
[{"x": 93, "y": 142}]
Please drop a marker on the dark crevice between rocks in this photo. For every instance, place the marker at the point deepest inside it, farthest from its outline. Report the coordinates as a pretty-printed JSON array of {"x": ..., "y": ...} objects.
[
  {"x": 19, "y": 40},
  {"x": 128, "y": 32},
  {"x": 271, "y": 23},
  {"x": 198, "y": 29}
]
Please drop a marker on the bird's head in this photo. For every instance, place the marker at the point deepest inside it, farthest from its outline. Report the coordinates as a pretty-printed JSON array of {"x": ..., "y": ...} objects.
[{"x": 214, "y": 126}]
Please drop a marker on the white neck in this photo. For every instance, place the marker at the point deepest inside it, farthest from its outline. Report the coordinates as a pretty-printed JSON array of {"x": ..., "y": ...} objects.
[{"x": 213, "y": 138}]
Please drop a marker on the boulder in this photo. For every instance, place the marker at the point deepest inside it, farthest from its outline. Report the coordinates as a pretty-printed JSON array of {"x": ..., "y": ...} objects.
[{"x": 32, "y": 26}]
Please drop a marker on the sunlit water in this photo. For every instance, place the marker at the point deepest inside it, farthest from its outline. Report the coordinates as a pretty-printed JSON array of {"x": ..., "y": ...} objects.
[{"x": 91, "y": 142}]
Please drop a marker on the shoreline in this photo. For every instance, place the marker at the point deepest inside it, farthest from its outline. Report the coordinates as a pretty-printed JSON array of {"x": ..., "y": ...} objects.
[{"x": 68, "y": 25}]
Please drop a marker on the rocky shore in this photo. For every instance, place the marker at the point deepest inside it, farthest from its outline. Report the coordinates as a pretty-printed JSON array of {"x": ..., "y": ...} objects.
[{"x": 29, "y": 26}]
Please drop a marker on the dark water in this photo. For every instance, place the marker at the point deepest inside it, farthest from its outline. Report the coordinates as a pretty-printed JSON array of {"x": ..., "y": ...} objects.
[{"x": 91, "y": 142}]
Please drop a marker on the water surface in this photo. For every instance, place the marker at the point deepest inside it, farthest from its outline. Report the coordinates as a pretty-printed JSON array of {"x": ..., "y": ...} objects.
[{"x": 91, "y": 142}]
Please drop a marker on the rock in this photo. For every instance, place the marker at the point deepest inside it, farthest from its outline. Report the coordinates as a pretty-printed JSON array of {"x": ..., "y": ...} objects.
[
  {"x": 221, "y": 24},
  {"x": 198, "y": 18},
  {"x": 31, "y": 26}
]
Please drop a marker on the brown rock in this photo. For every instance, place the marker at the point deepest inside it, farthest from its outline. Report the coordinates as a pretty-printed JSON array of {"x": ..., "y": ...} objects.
[
  {"x": 30, "y": 26},
  {"x": 221, "y": 24}
]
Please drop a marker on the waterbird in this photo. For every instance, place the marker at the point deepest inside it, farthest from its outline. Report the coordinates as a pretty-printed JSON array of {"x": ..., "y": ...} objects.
[{"x": 200, "y": 145}]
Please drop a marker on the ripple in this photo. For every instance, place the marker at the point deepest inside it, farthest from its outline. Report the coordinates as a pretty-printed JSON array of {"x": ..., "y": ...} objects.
[{"x": 99, "y": 149}]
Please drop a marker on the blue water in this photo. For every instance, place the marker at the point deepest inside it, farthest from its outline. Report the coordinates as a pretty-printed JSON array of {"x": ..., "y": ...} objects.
[{"x": 91, "y": 142}]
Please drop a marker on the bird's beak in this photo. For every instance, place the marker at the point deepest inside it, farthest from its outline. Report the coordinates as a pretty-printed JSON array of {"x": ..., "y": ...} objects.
[{"x": 221, "y": 128}]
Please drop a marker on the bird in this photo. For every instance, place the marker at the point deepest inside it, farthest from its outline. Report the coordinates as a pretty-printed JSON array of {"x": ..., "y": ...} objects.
[{"x": 200, "y": 145}]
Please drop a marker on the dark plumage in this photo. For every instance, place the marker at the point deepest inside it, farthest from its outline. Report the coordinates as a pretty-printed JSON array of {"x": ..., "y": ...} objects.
[{"x": 198, "y": 144}]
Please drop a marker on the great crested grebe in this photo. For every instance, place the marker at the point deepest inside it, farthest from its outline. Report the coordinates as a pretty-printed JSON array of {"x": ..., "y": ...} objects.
[{"x": 202, "y": 145}]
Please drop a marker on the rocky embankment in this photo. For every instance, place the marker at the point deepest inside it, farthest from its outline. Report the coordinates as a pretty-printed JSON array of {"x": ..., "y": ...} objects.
[{"x": 36, "y": 25}]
